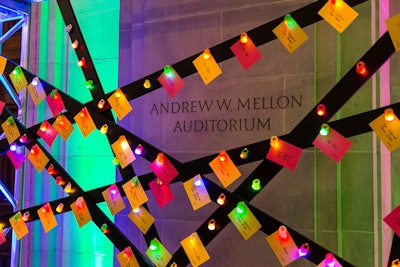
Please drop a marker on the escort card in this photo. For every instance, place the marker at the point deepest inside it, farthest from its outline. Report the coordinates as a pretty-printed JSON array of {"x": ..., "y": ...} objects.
[
  {"x": 2, "y": 236},
  {"x": 18, "y": 225},
  {"x": 3, "y": 62},
  {"x": 393, "y": 26},
  {"x": 81, "y": 213},
  {"x": 285, "y": 250},
  {"x": 85, "y": 122},
  {"x": 63, "y": 126},
  {"x": 291, "y": 37},
  {"x": 47, "y": 133},
  {"x": 113, "y": 199},
  {"x": 334, "y": 145},
  {"x": 285, "y": 154},
  {"x": 47, "y": 217},
  {"x": 339, "y": 15},
  {"x": 55, "y": 102},
  {"x": 225, "y": 170},
  {"x": 17, "y": 158},
  {"x": 393, "y": 220},
  {"x": 18, "y": 79},
  {"x": 387, "y": 131},
  {"x": 141, "y": 218},
  {"x": 38, "y": 158},
  {"x": 196, "y": 192},
  {"x": 2, "y": 104},
  {"x": 171, "y": 82},
  {"x": 134, "y": 192},
  {"x": 126, "y": 258},
  {"x": 246, "y": 223},
  {"x": 158, "y": 254},
  {"x": 123, "y": 151},
  {"x": 37, "y": 93},
  {"x": 207, "y": 67},
  {"x": 162, "y": 192},
  {"x": 163, "y": 168},
  {"x": 246, "y": 53},
  {"x": 195, "y": 250},
  {"x": 10, "y": 128},
  {"x": 119, "y": 104}
]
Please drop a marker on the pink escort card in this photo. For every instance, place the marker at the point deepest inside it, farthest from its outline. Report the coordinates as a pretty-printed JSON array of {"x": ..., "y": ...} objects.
[
  {"x": 334, "y": 145},
  {"x": 55, "y": 102},
  {"x": 285, "y": 154},
  {"x": 246, "y": 53},
  {"x": 47, "y": 132},
  {"x": 163, "y": 168},
  {"x": 162, "y": 192},
  {"x": 2, "y": 236},
  {"x": 171, "y": 81},
  {"x": 16, "y": 158}
]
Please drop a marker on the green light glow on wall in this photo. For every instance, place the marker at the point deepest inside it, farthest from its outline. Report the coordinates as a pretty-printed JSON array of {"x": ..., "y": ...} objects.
[{"x": 67, "y": 244}]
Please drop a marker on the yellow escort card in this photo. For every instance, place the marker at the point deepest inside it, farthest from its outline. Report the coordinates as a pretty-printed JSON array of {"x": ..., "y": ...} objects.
[
  {"x": 284, "y": 248},
  {"x": 18, "y": 79},
  {"x": 339, "y": 15},
  {"x": 37, "y": 93},
  {"x": 387, "y": 131},
  {"x": 291, "y": 36},
  {"x": 63, "y": 126},
  {"x": 10, "y": 129},
  {"x": 2, "y": 236},
  {"x": 85, "y": 122},
  {"x": 197, "y": 192},
  {"x": 393, "y": 26},
  {"x": 195, "y": 250},
  {"x": 119, "y": 104},
  {"x": 244, "y": 220},
  {"x": 81, "y": 212},
  {"x": 113, "y": 199},
  {"x": 3, "y": 63},
  {"x": 123, "y": 151},
  {"x": 47, "y": 217},
  {"x": 224, "y": 169},
  {"x": 134, "y": 192},
  {"x": 38, "y": 158},
  {"x": 18, "y": 225},
  {"x": 158, "y": 254},
  {"x": 207, "y": 67},
  {"x": 141, "y": 218},
  {"x": 126, "y": 258}
]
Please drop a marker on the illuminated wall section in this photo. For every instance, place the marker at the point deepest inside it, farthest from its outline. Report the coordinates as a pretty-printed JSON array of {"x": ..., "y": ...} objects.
[{"x": 52, "y": 57}]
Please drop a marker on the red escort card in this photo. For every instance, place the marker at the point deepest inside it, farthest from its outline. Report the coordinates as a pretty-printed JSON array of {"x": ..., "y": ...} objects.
[
  {"x": 171, "y": 81},
  {"x": 2, "y": 104},
  {"x": 246, "y": 53},
  {"x": 333, "y": 145},
  {"x": 285, "y": 154},
  {"x": 55, "y": 102},
  {"x": 163, "y": 168},
  {"x": 162, "y": 192},
  {"x": 47, "y": 132},
  {"x": 393, "y": 220}
]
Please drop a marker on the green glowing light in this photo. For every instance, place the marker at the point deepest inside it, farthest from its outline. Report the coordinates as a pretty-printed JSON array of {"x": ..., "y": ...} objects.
[
  {"x": 153, "y": 245},
  {"x": 89, "y": 84},
  {"x": 324, "y": 129},
  {"x": 256, "y": 184},
  {"x": 241, "y": 207},
  {"x": 289, "y": 21}
]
